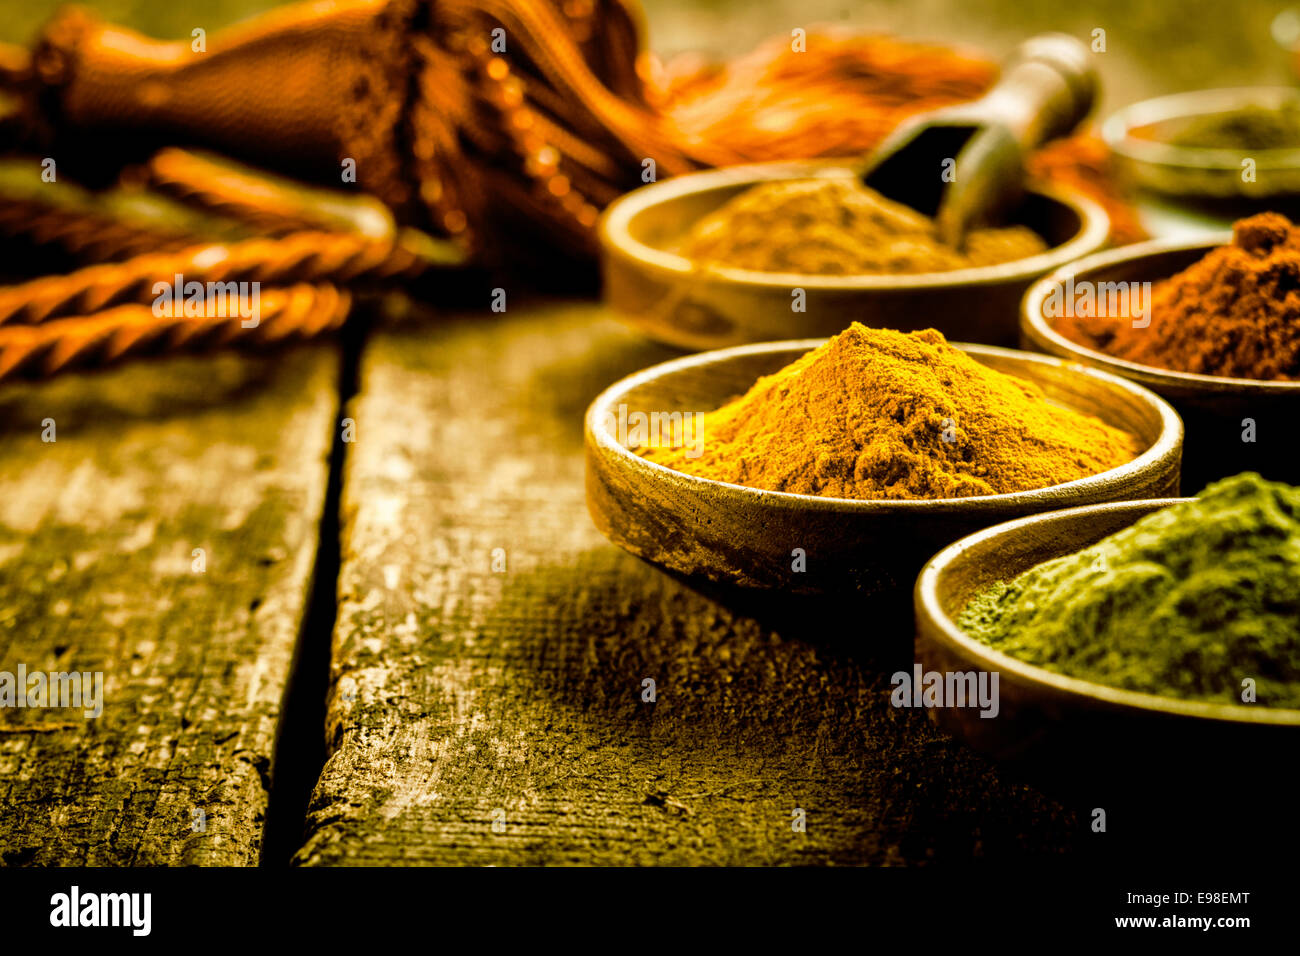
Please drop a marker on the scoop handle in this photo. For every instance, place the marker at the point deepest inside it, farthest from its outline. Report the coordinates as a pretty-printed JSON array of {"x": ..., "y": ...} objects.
[{"x": 1045, "y": 92}]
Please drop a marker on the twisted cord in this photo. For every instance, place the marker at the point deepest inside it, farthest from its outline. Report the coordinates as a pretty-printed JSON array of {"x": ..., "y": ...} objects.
[
  {"x": 85, "y": 234},
  {"x": 296, "y": 312},
  {"x": 258, "y": 200},
  {"x": 301, "y": 257}
]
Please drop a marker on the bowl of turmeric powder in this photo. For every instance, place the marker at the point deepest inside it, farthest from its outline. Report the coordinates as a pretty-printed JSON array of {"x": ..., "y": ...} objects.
[
  {"x": 1212, "y": 325},
  {"x": 840, "y": 466},
  {"x": 789, "y": 250},
  {"x": 1123, "y": 638}
]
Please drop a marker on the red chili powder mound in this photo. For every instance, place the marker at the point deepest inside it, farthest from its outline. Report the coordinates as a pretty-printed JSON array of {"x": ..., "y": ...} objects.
[{"x": 1235, "y": 313}]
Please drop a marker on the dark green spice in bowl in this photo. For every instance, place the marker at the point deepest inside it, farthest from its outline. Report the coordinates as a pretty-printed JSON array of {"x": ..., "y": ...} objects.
[
  {"x": 1141, "y": 648},
  {"x": 1200, "y": 601},
  {"x": 1252, "y": 127}
]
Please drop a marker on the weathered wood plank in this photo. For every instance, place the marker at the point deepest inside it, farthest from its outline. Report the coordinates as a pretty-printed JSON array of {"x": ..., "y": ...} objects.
[
  {"x": 463, "y": 697},
  {"x": 98, "y": 538}
]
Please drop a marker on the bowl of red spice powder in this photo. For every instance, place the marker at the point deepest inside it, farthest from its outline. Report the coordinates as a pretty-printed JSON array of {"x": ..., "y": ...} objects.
[{"x": 1213, "y": 326}]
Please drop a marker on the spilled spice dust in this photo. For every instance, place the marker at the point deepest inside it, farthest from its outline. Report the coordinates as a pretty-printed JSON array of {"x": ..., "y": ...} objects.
[
  {"x": 1188, "y": 602},
  {"x": 837, "y": 226},
  {"x": 875, "y": 413},
  {"x": 1235, "y": 313}
]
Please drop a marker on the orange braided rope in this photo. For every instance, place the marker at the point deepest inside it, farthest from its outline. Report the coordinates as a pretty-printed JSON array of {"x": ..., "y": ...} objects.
[
  {"x": 467, "y": 138},
  {"x": 270, "y": 207},
  {"x": 84, "y": 234},
  {"x": 301, "y": 257},
  {"x": 507, "y": 152},
  {"x": 297, "y": 312}
]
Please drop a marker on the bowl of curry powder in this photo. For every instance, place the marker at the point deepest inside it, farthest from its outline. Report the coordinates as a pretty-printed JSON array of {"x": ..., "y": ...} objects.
[
  {"x": 840, "y": 466},
  {"x": 774, "y": 251}
]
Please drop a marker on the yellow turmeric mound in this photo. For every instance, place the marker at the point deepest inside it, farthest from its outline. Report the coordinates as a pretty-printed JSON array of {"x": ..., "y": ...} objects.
[
  {"x": 839, "y": 227},
  {"x": 875, "y": 413}
]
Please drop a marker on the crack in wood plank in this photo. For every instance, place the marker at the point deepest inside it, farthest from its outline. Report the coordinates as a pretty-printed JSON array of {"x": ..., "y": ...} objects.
[{"x": 98, "y": 538}]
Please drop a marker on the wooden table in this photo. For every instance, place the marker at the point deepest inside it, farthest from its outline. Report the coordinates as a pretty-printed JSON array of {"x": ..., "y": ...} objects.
[
  {"x": 474, "y": 694},
  {"x": 165, "y": 539},
  {"x": 485, "y": 683}
]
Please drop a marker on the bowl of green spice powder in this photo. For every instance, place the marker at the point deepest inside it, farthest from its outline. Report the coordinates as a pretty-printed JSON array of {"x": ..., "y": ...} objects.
[
  {"x": 1240, "y": 143},
  {"x": 1135, "y": 637}
]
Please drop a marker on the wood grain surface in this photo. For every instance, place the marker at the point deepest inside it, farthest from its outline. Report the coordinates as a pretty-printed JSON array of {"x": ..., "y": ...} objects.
[
  {"x": 98, "y": 573},
  {"x": 458, "y": 691},
  {"x": 482, "y": 716}
]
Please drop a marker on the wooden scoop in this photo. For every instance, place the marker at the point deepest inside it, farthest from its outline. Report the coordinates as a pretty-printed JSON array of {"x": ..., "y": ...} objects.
[{"x": 964, "y": 165}]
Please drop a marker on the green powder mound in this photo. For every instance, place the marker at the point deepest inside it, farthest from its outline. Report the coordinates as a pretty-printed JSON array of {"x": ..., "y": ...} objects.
[
  {"x": 1187, "y": 602},
  {"x": 1250, "y": 127}
]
